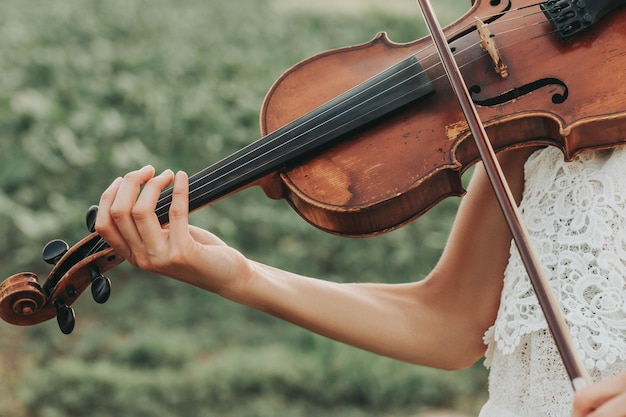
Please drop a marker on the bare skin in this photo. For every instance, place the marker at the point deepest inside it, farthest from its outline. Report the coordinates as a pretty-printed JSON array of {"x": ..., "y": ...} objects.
[{"x": 434, "y": 322}]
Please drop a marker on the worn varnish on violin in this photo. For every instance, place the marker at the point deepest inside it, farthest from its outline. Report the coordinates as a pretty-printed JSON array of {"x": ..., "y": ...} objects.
[
  {"x": 566, "y": 93},
  {"x": 364, "y": 139}
]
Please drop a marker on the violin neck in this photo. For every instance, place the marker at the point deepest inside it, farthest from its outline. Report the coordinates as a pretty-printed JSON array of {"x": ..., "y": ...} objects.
[{"x": 390, "y": 90}]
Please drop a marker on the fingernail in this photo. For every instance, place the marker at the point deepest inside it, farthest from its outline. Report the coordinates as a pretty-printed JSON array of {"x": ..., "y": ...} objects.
[
  {"x": 182, "y": 176},
  {"x": 116, "y": 182}
]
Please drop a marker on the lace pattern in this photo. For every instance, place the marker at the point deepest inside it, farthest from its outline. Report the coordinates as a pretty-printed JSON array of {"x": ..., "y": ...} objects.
[{"x": 576, "y": 216}]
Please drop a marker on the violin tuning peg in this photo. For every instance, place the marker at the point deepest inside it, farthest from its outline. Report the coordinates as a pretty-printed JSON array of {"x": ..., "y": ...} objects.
[
  {"x": 90, "y": 218},
  {"x": 65, "y": 317},
  {"x": 100, "y": 286},
  {"x": 54, "y": 251}
]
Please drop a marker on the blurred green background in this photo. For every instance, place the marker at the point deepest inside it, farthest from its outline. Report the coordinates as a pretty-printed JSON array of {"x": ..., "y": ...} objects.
[{"x": 91, "y": 89}]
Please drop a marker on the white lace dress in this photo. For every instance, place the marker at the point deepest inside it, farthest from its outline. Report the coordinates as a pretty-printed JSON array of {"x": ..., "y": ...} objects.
[{"x": 576, "y": 215}]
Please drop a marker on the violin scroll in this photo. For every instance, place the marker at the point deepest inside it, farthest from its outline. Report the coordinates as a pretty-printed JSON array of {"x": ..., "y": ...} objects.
[{"x": 22, "y": 300}]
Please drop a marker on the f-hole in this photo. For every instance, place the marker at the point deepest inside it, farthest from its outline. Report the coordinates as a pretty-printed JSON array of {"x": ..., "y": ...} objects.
[{"x": 557, "y": 98}]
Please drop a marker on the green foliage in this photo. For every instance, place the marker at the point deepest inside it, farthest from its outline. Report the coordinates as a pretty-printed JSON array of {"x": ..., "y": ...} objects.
[
  {"x": 273, "y": 376},
  {"x": 91, "y": 89}
]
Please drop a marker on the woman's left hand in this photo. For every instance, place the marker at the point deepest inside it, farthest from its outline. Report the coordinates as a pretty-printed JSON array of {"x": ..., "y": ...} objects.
[{"x": 603, "y": 399}]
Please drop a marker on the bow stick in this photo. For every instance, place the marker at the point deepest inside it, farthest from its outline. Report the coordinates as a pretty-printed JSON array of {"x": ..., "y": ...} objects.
[{"x": 556, "y": 322}]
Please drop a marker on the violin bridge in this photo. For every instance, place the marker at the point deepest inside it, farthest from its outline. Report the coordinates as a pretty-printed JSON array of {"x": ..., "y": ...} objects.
[{"x": 488, "y": 44}]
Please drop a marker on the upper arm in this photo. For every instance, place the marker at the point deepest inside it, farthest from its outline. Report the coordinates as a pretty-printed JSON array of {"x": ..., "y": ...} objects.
[{"x": 467, "y": 280}]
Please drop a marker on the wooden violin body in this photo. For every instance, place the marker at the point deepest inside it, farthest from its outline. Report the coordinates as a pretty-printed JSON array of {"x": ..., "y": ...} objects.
[
  {"x": 555, "y": 94},
  {"x": 382, "y": 167}
]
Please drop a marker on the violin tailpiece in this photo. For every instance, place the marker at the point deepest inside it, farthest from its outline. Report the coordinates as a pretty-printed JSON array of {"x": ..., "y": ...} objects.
[{"x": 572, "y": 16}]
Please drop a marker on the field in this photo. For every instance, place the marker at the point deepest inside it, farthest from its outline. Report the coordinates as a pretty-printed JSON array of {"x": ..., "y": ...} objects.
[{"x": 92, "y": 89}]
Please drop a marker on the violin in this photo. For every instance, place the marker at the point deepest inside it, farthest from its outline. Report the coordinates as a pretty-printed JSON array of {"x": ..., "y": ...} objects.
[{"x": 364, "y": 139}]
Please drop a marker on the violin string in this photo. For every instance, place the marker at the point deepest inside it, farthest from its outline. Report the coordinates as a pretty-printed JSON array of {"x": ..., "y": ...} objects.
[
  {"x": 424, "y": 70},
  {"x": 470, "y": 46},
  {"x": 434, "y": 53},
  {"x": 506, "y": 12},
  {"x": 503, "y": 21},
  {"x": 199, "y": 179},
  {"x": 470, "y": 24},
  {"x": 101, "y": 244},
  {"x": 500, "y": 46},
  {"x": 491, "y": 25}
]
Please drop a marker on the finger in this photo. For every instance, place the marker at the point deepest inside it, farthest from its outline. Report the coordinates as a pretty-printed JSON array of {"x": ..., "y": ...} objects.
[
  {"x": 598, "y": 395},
  {"x": 143, "y": 213},
  {"x": 105, "y": 226},
  {"x": 179, "y": 209},
  {"x": 124, "y": 202},
  {"x": 614, "y": 407}
]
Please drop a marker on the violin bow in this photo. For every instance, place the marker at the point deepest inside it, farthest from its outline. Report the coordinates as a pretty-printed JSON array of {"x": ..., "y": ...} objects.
[{"x": 554, "y": 317}]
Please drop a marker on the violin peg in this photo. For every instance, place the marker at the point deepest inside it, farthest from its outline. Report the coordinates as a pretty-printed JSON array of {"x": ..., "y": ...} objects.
[
  {"x": 65, "y": 317},
  {"x": 100, "y": 286},
  {"x": 54, "y": 251},
  {"x": 90, "y": 218}
]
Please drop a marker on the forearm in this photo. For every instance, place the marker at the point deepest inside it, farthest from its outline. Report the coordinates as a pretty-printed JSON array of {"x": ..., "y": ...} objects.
[{"x": 396, "y": 320}]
